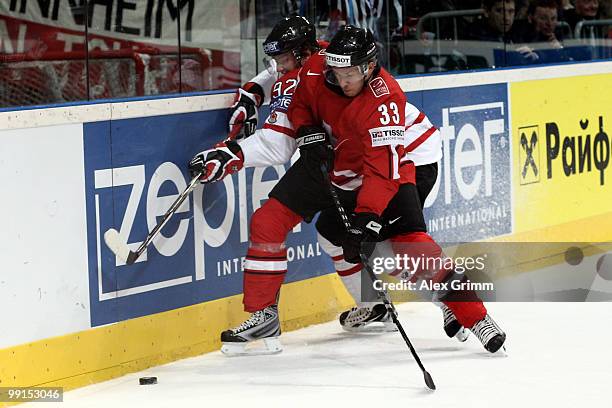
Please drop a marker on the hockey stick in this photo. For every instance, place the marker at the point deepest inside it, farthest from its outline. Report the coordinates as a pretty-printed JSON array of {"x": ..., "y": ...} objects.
[
  {"x": 382, "y": 294},
  {"x": 119, "y": 246}
]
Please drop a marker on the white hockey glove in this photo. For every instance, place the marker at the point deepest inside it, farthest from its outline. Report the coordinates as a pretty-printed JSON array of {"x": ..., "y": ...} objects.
[
  {"x": 214, "y": 164},
  {"x": 243, "y": 115}
]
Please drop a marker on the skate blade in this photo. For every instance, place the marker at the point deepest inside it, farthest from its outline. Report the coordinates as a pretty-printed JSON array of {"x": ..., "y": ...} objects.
[
  {"x": 374, "y": 327},
  {"x": 502, "y": 352},
  {"x": 271, "y": 345},
  {"x": 462, "y": 335}
]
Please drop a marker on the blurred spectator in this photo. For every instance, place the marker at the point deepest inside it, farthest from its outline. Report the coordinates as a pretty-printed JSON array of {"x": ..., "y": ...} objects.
[
  {"x": 496, "y": 22},
  {"x": 382, "y": 17},
  {"x": 522, "y": 7},
  {"x": 585, "y": 10},
  {"x": 540, "y": 25}
]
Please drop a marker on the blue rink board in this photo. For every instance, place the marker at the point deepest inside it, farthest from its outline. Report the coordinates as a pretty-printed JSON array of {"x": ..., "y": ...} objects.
[{"x": 131, "y": 163}]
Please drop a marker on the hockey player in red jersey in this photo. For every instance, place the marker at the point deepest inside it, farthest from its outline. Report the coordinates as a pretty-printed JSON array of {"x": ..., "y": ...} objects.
[
  {"x": 375, "y": 180},
  {"x": 371, "y": 168},
  {"x": 266, "y": 261},
  {"x": 424, "y": 146},
  {"x": 289, "y": 45}
]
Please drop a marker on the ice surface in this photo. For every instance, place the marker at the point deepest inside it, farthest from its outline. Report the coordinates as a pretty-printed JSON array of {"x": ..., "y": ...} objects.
[{"x": 558, "y": 356}]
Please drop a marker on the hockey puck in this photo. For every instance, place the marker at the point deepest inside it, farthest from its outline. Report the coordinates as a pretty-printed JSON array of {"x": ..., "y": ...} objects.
[
  {"x": 574, "y": 256},
  {"x": 147, "y": 380}
]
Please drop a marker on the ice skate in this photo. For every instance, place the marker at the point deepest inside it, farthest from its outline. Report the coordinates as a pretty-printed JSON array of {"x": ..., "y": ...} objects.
[
  {"x": 262, "y": 325},
  {"x": 490, "y": 334},
  {"x": 452, "y": 327},
  {"x": 366, "y": 319}
]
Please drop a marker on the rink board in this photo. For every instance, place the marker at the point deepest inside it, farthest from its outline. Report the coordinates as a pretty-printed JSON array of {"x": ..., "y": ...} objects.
[
  {"x": 133, "y": 172},
  {"x": 89, "y": 317},
  {"x": 565, "y": 126},
  {"x": 471, "y": 199}
]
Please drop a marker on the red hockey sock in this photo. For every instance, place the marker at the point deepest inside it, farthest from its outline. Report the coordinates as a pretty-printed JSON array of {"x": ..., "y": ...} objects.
[
  {"x": 420, "y": 245},
  {"x": 467, "y": 312},
  {"x": 266, "y": 261},
  {"x": 465, "y": 304}
]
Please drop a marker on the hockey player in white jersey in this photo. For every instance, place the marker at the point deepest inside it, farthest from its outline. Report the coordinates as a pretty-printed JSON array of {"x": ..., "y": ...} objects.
[{"x": 290, "y": 43}]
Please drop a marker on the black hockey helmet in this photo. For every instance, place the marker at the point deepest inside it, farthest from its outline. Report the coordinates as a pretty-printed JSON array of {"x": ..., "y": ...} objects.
[
  {"x": 290, "y": 34},
  {"x": 350, "y": 47}
]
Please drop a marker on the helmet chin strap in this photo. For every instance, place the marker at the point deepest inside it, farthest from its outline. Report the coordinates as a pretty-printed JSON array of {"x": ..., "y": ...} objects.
[{"x": 299, "y": 54}]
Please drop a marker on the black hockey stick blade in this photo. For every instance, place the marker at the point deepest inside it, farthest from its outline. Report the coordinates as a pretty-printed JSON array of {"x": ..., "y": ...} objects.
[
  {"x": 132, "y": 257},
  {"x": 429, "y": 381}
]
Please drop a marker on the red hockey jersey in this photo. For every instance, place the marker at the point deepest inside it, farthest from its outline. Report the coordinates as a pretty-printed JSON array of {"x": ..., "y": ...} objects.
[{"x": 368, "y": 132}]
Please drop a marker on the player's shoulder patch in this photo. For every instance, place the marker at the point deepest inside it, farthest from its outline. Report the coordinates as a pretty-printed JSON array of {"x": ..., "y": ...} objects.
[
  {"x": 388, "y": 136},
  {"x": 379, "y": 87}
]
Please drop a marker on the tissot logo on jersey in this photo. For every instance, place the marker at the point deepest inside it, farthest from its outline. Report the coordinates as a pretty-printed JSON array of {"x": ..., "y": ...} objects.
[{"x": 388, "y": 136}]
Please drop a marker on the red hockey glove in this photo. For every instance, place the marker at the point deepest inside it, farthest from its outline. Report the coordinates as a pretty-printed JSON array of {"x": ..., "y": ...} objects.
[
  {"x": 226, "y": 158},
  {"x": 362, "y": 237},
  {"x": 243, "y": 115}
]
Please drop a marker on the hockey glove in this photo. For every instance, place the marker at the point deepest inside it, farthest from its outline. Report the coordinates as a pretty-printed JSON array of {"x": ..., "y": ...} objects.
[
  {"x": 362, "y": 237},
  {"x": 214, "y": 164},
  {"x": 243, "y": 115},
  {"x": 315, "y": 147}
]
